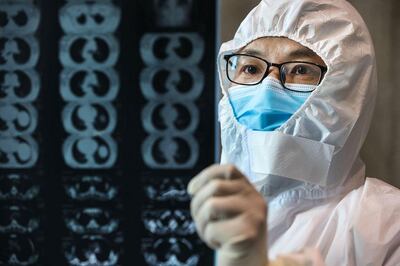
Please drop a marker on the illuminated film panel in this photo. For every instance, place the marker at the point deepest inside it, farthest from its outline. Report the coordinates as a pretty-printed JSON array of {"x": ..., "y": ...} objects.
[
  {"x": 107, "y": 110},
  {"x": 176, "y": 82},
  {"x": 21, "y": 234},
  {"x": 89, "y": 86}
]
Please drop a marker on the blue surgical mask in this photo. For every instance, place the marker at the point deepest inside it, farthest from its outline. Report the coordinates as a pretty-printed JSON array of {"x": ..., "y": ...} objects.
[{"x": 268, "y": 105}]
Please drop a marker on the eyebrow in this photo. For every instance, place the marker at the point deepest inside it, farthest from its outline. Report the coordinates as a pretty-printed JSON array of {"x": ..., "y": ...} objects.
[
  {"x": 303, "y": 52},
  {"x": 298, "y": 53},
  {"x": 252, "y": 52}
]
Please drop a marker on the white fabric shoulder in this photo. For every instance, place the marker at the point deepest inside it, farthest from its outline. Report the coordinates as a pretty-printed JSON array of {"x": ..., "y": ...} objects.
[
  {"x": 376, "y": 222},
  {"x": 369, "y": 219},
  {"x": 357, "y": 229}
]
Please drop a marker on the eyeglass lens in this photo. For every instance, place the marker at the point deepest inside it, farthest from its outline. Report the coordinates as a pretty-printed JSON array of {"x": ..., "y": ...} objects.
[{"x": 249, "y": 70}]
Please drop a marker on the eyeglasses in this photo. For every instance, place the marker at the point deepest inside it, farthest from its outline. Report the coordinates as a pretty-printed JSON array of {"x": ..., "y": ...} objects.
[{"x": 250, "y": 70}]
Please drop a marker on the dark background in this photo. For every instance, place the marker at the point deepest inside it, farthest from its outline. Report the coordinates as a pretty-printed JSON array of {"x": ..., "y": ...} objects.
[{"x": 150, "y": 206}]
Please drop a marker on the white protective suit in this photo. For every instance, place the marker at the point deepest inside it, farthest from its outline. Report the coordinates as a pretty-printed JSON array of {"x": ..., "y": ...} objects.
[{"x": 309, "y": 169}]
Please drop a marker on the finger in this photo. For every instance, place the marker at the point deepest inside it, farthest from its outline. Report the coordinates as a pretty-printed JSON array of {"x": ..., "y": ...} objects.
[
  {"x": 214, "y": 188},
  {"x": 218, "y": 208},
  {"x": 238, "y": 230},
  {"x": 210, "y": 173}
]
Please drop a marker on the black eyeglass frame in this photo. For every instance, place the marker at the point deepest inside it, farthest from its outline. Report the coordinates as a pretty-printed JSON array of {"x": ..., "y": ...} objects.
[{"x": 279, "y": 66}]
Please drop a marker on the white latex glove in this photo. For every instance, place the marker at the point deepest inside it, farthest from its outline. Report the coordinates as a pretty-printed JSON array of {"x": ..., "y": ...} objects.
[{"x": 230, "y": 216}]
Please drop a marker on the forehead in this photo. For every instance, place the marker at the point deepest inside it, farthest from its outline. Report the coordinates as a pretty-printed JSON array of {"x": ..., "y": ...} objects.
[
  {"x": 281, "y": 49},
  {"x": 274, "y": 41}
]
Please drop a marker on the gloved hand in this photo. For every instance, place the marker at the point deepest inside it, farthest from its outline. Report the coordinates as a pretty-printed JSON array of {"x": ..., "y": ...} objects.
[{"x": 230, "y": 216}]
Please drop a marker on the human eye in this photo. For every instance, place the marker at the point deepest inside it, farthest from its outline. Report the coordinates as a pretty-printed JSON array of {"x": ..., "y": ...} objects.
[
  {"x": 250, "y": 66},
  {"x": 302, "y": 73},
  {"x": 302, "y": 69},
  {"x": 244, "y": 69},
  {"x": 250, "y": 69}
]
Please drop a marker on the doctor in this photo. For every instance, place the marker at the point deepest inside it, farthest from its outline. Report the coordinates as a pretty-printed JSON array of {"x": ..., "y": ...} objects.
[{"x": 299, "y": 83}]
